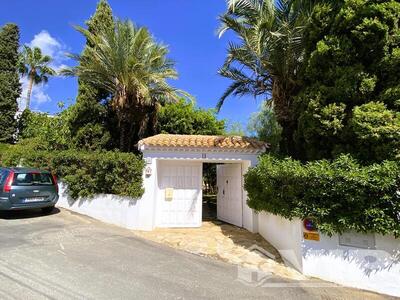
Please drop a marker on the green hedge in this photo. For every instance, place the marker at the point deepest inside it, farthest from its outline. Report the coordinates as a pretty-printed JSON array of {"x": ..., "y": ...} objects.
[
  {"x": 85, "y": 173},
  {"x": 3, "y": 147},
  {"x": 340, "y": 195}
]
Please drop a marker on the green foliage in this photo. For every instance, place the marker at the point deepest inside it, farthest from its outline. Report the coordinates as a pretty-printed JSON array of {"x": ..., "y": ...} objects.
[
  {"x": 138, "y": 85},
  {"x": 88, "y": 123},
  {"x": 45, "y": 131},
  {"x": 4, "y": 147},
  {"x": 340, "y": 195},
  {"x": 184, "y": 117},
  {"x": 235, "y": 128},
  {"x": 266, "y": 55},
  {"x": 264, "y": 126},
  {"x": 376, "y": 130},
  {"x": 10, "y": 87},
  {"x": 92, "y": 136},
  {"x": 349, "y": 99},
  {"x": 53, "y": 132},
  {"x": 85, "y": 173}
]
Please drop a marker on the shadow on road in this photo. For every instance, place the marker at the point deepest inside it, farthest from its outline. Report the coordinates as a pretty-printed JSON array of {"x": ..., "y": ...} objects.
[{"x": 26, "y": 214}]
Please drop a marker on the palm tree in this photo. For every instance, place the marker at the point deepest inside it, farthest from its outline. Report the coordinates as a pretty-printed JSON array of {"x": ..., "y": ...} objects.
[
  {"x": 35, "y": 65},
  {"x": 126, "y": 62},
  {"x": 266, "y": 60}
]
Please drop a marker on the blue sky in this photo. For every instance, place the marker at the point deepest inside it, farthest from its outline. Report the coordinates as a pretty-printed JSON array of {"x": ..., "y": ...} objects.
[{"x": 187, "y": 26}]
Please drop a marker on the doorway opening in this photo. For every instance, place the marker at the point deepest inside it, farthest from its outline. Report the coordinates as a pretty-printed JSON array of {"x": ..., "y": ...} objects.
[{"x": 210, "y": 190}]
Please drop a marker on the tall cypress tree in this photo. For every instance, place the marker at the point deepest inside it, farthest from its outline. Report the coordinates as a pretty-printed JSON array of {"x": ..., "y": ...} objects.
[
  {"x": 10, "y": 87},
  {"x": 88, "y": 124}
]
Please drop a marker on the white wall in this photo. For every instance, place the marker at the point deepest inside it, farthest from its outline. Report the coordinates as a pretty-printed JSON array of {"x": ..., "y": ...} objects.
[
  {"x": 141, "y": 213},
  {"x": 122, "y": 211},
  {"x": 185, "y": 209},
  {"x": 284, "y": 235},
  {"x": 250, "y": 218},
  {"x": 371, "y": 269},
  {"x": 203, "y": 156}
]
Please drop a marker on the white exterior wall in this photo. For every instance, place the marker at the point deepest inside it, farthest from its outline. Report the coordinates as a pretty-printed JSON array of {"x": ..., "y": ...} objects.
[
  {"x": 185, "y": 207},
  {"x": 141, "y": 214},
  {"x": 247, "y": 160},
  {"x": 111, "y": 209},
  {"x": 371, "y": 269},
  {"x": 203, "y": 156},
  {"x": 284, "y": 235},
  {"x": 250, "y": 217},
  {"x": 122, "y": 211}
]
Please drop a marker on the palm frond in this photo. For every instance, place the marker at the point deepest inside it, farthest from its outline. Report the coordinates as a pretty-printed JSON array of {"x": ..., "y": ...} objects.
[
  {"x": 33, "y": 63},
  {"x": 126, "y": 59},
  {"x": 270, "y": 47}
]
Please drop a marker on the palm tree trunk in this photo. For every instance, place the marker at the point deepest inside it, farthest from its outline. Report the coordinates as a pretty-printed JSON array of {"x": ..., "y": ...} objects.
[
  {"x": 284, "y": 116},
  {"x": 29, "y": 92},
  {"x": 122, "y": 137},
  {"x": 153, "y": 119},
  {"x": 127, "y": 133}
]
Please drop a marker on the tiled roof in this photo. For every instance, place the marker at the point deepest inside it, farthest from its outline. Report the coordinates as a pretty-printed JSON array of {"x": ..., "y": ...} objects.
[{"x": 204, "y": 141}]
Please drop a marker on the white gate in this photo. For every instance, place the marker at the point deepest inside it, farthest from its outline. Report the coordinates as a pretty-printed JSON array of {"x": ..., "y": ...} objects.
[
  {"x": 229, "y": 198},
  {"x": 182, "y": 180}
]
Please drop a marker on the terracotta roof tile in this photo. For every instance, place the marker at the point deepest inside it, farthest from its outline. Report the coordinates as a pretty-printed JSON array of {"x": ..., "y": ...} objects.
[{"x": 204, "y": 141}]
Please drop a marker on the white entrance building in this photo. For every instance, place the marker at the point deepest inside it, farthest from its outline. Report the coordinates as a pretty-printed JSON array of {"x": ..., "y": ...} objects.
[
  {"x": 173, "y": 179},
  {"x": 173, "y": 198}
]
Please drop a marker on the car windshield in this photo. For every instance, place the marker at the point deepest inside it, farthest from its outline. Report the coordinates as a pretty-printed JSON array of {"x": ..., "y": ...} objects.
[{"x": 21, "y": 179}]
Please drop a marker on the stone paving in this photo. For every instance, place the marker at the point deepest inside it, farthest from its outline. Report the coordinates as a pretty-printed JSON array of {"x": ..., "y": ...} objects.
[{"x": 225, "y": 242}]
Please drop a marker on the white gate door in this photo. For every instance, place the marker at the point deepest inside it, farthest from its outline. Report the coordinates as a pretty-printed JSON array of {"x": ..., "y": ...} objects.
[
  {"x": 229, "y": 198},
  {"x": 184, "y": 180}
]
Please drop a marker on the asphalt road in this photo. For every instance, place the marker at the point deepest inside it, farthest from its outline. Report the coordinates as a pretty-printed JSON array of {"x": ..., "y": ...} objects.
[{"x": 69, "y": 256}]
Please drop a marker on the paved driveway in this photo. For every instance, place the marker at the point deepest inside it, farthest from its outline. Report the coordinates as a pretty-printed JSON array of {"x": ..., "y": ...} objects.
[
  {"x": 68, "y": 256},
  {"x": 227, "y": 243}
]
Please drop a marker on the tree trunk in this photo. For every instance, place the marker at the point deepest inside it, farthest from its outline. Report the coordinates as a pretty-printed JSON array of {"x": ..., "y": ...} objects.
[
  {"x": 287, "y": 142},
  {"x": 29, "y": 93},
  {"x": 122, "y": 137},
  {"x": 282, "y": 99},
  {"x": 129, "y": 128}
]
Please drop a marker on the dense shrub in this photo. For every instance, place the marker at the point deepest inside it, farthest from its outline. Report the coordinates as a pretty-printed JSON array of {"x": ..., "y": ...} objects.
[
  {"x": 185, "y": 118},
  {"x": 85, "y": 173},
  {"x": 4, "y": 147},
  {"x": 340, "y": 195},
  {"x": 350, "y": 81},
  {"x": 55, "y": 132},
  {"x": 48, "y": 132}
]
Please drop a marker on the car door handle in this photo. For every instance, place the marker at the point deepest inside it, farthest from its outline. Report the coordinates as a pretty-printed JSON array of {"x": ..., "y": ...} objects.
[{"x": 36, "y": 191}]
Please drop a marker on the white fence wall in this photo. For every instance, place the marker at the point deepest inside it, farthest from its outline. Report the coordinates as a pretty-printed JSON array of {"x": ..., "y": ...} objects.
[
  {"x": 375, "y": 269},
  {"x": 122, "y": 211},
  {"x": 284, "y": 235},
  {"x": 372, "y": 269}
]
